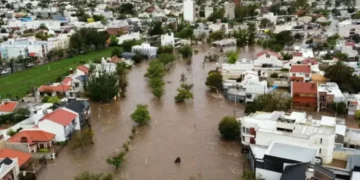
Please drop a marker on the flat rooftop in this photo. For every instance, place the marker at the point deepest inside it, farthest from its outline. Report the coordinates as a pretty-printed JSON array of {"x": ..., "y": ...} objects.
[{"x": 292, "y": 152}]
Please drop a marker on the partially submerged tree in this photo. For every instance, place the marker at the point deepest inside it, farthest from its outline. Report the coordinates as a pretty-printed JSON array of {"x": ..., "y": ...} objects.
[
  {"x": 214, "y": 80},
  {"x": 102, "y": 86},
  {"x": 229, "y": 128},
  {"x": 83, "y": 139},
  {"x": 269, "y": 102},
  {"x": 116, "y": 160},
  {"x": 121, "y": 71},
  {"x": 89, "y": 176},
  {"x": 141, "y": 115}
]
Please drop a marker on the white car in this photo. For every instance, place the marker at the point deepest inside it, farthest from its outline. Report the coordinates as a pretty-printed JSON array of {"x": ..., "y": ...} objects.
[{"x": 6, "y": 71}]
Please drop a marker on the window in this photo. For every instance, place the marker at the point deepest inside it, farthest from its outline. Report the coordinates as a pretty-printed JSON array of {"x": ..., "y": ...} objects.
[
  {"x": 320, "y": 140},
  {"x": 76, "y": 84},
  {"x": 306, "y": 75},
  {"x": 243, "y": 138},
  {"x": 294, "y": 74},
  {"x": 320, "y": 151}
]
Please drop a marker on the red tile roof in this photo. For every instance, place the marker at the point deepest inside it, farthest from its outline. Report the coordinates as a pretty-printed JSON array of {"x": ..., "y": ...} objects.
[
  {"x": 67, "y": 80},
  {"x": 57, "y": 88},
  {"x": 350, "y": 44},
  {"x": 297, "y": 54},
  {"x": 83, "y": 69},
  {"x": 32, "y": 136},
  {"x": 22, "y": 157},
  {"x": 304, "y": 87},
  {"x": 32, "y": 54},
  {"x": 60, "y": 116},
  {"x": 300, "y": 69},
  {"x": 271, "y": 53},
  {"x": 8, "y": 106}
]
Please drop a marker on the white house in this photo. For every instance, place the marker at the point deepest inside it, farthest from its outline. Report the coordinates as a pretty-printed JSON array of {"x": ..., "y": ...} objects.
[
  {"x": 262, "y": 128},
  {"x": 128, "y": 37},
  {"x": 229, "y": 10},
  {"x": 145, "y": 49},
  {"x": 188, "y": 10},
  {"x": 169, "y": 39},
  {"x": 268, "y": 59},
  {"x": 348, "y": 28},
  {"x": 62, "y": 122},
  {"x": 234, "y": 71}
]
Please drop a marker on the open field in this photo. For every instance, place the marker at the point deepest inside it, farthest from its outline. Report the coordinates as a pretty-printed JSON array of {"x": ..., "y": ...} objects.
[{"x": 18, "y": 83}]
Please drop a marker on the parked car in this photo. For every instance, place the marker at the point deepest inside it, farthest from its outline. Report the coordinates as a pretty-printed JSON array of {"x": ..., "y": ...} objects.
[
  {"x": 6, "y": 71},
  {"x": 30, "y": 65}
]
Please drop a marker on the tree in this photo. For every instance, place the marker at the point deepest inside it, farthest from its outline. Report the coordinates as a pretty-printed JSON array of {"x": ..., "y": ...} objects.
[
  {"x": 186, "y": 51},
  {"x": 88, "y": 176},
  {"x": 232, "y": 57},
  {"x": 83, "y": 139},
  {"x": 141, "y": 115},
  {"x": 214, "y": 80},
  {"x": 269, "y": 102},
  {"x": 357, "y": 114},
  {"x": 156, "y": 29},
  {"x": 169, "y": 49},
  {"x": 217, "y": 35},
  {"x": 113, "y": 40},
  {"x": 102, "y": 86},
  {"x": 264, "y": 23},
  {"x": 158, "y": 91},
  {"x": 339, "y": 72},
  {"x": 241, "y": 37},
  {"x": 217, "y": 14},
  {"x": 155, "y": 70},
  {"x": 339, "y": 107},
  {"x": 127, "y": 8},
  {"x": 356, "y": 38},
  {"x": 229, "y": 128},
  {"x": 166, "y": 59},
  {"x": 184, "y": 93},
  {"x": 121, "y": 71},
  {"x": 284, "y": 37},
  {"x": 117, "y": 52},
  {"x": 128, "y": 44},
  {"x": 53, "y": 99},
  {"x": 116, "y": 160},
  {"x": 251, "y": 33},
  {"x": 86, "y": 39}
]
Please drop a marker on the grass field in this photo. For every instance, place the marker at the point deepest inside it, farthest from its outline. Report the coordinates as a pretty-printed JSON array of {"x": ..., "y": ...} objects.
[{"x": 18, "y": 83}]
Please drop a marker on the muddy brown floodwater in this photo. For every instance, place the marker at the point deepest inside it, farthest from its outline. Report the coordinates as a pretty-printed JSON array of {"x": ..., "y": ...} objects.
[{"x": 187, "y": 130}]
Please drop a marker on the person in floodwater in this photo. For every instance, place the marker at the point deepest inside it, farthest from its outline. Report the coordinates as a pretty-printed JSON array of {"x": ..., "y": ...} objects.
[{"x": 177, "y": 160}]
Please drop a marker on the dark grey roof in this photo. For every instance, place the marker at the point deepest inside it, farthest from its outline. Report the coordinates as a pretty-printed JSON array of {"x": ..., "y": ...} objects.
[
  {"x": 82, "y": 78},
  {"x": 353, "y": 161},
  {"x": 6, "y": 161},
  {"x": 295, "y": 172},
  {"x": 76, "y": 106}
]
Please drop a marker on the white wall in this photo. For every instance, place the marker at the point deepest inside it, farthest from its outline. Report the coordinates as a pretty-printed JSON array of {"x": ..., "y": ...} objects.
[
  {"x": 52, "y": 127},
  {"x": 268, "y": 175},
  {"x": 77, "y": 119},
  {"x": 188, "y": 10}
]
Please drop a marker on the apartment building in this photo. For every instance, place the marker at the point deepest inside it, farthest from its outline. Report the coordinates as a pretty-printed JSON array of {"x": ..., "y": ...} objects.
[
  {"x": 348, "y": 28},
  {"x": 304, "y": 95}
]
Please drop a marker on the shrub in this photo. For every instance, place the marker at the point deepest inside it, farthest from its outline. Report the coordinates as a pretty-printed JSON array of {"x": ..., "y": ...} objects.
[
  {"x": 11, "y": 132},
  {"x": 43, "y": 150},
  {"x": 284, "y": 69},
  {"x": 229, "y": 128},
  {"x": 274, "y": 75},
  {"x": 357, "y": 114}
]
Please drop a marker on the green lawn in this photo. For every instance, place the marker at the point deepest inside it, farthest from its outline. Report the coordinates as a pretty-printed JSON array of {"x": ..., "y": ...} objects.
[{"x": 16, "y": 84}]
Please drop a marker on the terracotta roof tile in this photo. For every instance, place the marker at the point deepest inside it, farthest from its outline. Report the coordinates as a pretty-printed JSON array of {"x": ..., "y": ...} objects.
[
  {"x": 300, "y": 69},
  {"x": 67, "y": 81},
  {"x": 297, "y": 54},
  {"x": 83, "y": 69},
  {"x": 22, "y": 157},
  {"x": 304, "y": 87},
  {"x": 60, "y": 116},
  {"x": 8, "y": 106},
  {"x": 57, "y": 88},
  {"x": 32, "y": 136}
]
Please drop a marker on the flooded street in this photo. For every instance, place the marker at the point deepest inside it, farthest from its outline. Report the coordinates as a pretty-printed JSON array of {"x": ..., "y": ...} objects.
[{"x": 187, "y": 130}]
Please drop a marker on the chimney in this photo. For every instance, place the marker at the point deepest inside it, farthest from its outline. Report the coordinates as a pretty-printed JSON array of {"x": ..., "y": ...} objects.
[{"x": 24, "y": 139}]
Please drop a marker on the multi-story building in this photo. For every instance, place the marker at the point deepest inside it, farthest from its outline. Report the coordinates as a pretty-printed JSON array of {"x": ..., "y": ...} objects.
[
  {"x": 24, "y": 47},
  {"x": 188, "y": 10},
  {"x": 304, "y": 95},
  {"x": 229, "y": 10},
  {"x": 300, "y": 73},
  {"x": 348, "y": 28},
  {"x": 208, "y": 10},
  {"x": 330, "y": 93},
  {"x": 262, "y": 128}
]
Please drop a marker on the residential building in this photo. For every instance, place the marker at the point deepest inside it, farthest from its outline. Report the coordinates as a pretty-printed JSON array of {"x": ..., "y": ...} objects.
[
  {"x": 32, "y": 141},
  {"x": 188, "y": 10},
  {"x": 304, "y": 95},
  {"x": 274, "y": 162},
  {"x": 229, "y": 10},
  {"x": 7, "y": 106},
  {"x": 22, "y": 158},
  {"x": 55, "y": 89},
  {"x": 168, "y": 39},
  {"x": 330, "y": 93},
  {"x": 300, "y": 73},
  {"x": 83, "y": 69},
  {"x": 81, "y": 107},
  {"x": 62, "y": 122},
  {"x": 353, "y": 103},
  {"x": 117, "y": 27},
  {"x": 234, "y": 71},
  {"x": 128, "y": 37},
  {"x": 263, "y": 128},
  {"x": 268, "y": 59},
  {"x": 219, "y": 26},
  {"x": 145, "y": 49},
  {"x": 24, "y": 47},
  {"x": 348, "y": 28},
  {"x": 9, "y": 169},
  {"x": 208, "y": 10}
]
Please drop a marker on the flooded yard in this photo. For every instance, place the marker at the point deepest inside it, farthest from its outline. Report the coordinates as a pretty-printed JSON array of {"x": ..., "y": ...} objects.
[{"x": 187, "y": 130}]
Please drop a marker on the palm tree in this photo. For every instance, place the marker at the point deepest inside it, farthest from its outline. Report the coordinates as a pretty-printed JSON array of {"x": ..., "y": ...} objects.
[{"x": 339, "y": 72}]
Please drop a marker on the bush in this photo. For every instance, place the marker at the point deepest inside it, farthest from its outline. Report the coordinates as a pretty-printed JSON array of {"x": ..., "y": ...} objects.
[
  {"x": 43, "y": 150},
  {"x": 141, "y": 115},
  {"x": 274, "y": 75},
  {"x": 11, "y": 132},
  {"x": 45, "y": 99},
  {"x": 340, "y": 107},
  {"x": 229, "y": 127},
  {"x": 284, "y": 70},
  {"x": 357, "y": 114},
  {"x": 61, "y": 143}
]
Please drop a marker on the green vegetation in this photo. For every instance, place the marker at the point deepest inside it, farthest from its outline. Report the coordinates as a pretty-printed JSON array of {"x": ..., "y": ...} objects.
[
  {"x": 156, "y": 29},
  {"x": 21, "y": 83},
  {"x": 339, "y": 107},
  {"x": 229, "y": 128},
  {"x": 102, "y": 86},
  {"x": 276, "y": 42},
  {"x": 217, "y": 14},
  {"x": 88, "y": 176},
  {"x": 270, "y": 102},
  {"x": 248, "y": 175},
  {"x": 116, "y": 160},
  {"x": 53, "y": 99},
  {"x": 83, "y": 139},
  {"x": 15, "y": 117},
  {"x": 232, "y": 57},
  {"x": 186, "y": 51},
  {"x": 357, "y": 114},
  {"x": 155, "y": 73},
  {"x": 184, "y": 91},
  {"x": 87, "y": 39},
  {"x": 214, "y": 80},
  {"x": 343, "y": 76},
  {"x": 141, "y": 115},
  {"x": 165, "y": 49},
  {"x": 121, "y": 72}
]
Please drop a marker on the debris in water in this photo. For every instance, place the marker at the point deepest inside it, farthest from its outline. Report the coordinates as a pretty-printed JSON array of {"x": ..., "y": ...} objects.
[{"x": 177, "y": 160}]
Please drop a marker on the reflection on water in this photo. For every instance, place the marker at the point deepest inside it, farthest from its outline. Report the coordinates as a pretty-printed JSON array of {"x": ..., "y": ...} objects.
[{"x": 187, "y": 130}]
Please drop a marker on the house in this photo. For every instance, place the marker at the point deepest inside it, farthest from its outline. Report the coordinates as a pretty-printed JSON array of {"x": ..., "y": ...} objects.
[
  {"x": 169, "y": 39},
  {"x": 83, "y": 70},
  {"x": 7, "y": 106},
  {"x": 55, "y": 89},
  {"x": 9, "y": 168},
  {"x": 300, "y": 73},
  {"x": 304, "y": 95},
  {"x": 145, "y": 49},
  {"x": 268, "y": 59},
  {"x": 353, "y": 103},
  {"x": 22, "y": 158},
  {"x": 348, "y": 28},
  {"x": 32, "y": 141},
  {"x": 229, "y": 10},
  {"x": 118, "y": 26},
  {"x": 62, "y": 122},
  {"x": 188, "y": 10},
  {"x": 272, "y": 163},
  {"x": 330, "y": 93},
  {"x": 82, "y": 108},
  {"x": 234, "y": 71},
  {"x": 128, "y": 37},
  {"x": 24, "y": 47}
]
